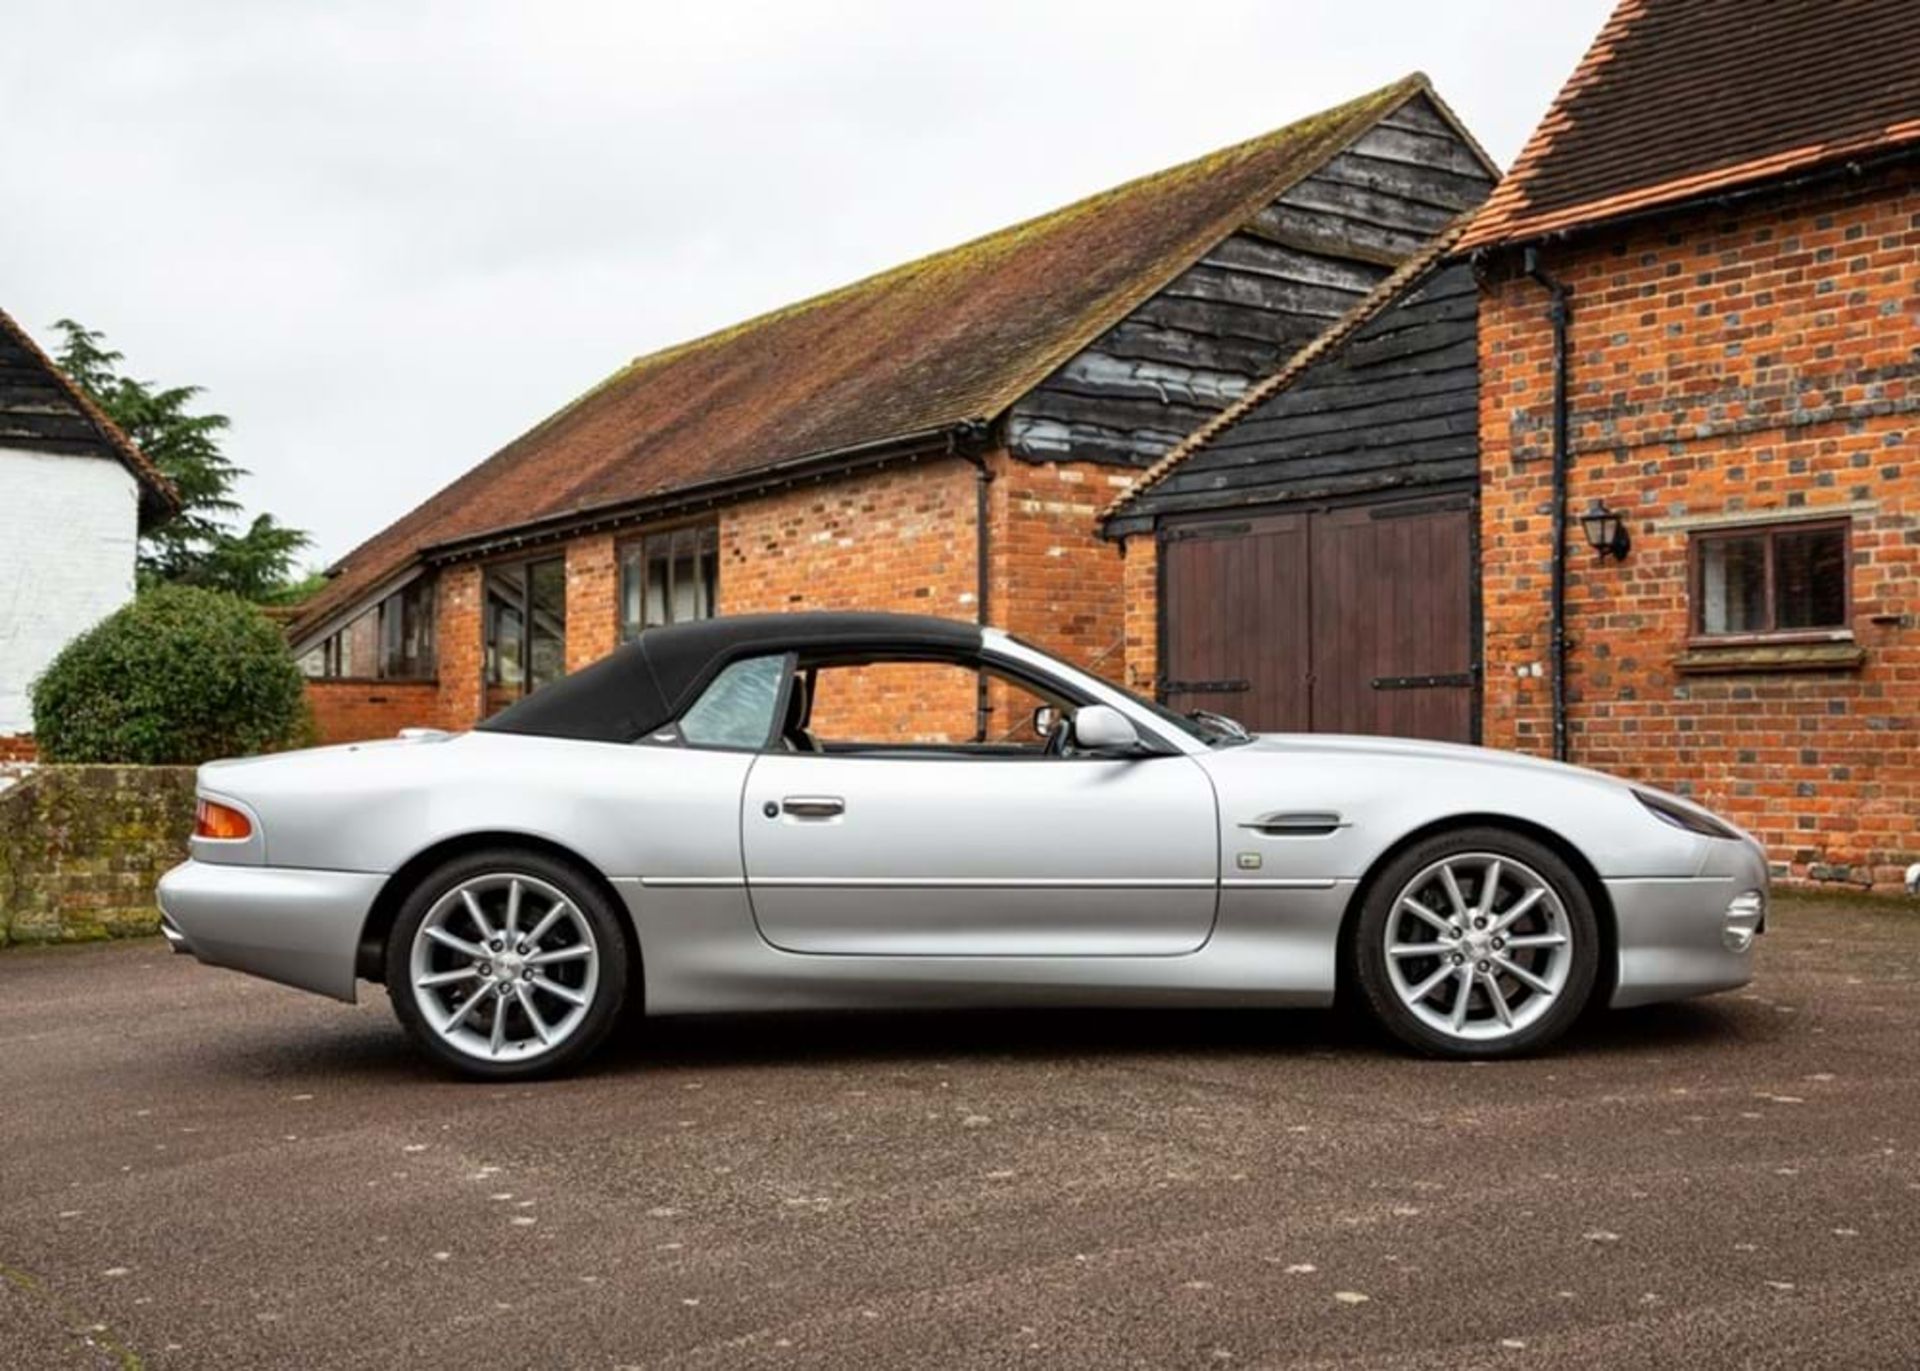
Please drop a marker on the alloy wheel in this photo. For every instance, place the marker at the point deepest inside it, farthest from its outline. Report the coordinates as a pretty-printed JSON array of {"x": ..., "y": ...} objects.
[
  {"x": 1478, "y": 946},
  {"x": 504, "y": 967}
]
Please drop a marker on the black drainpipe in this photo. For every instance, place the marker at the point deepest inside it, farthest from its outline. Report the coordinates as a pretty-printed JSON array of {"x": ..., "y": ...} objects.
[
  {"x": 970, "y": 443},
  {"x": 1560, "y": 312}
]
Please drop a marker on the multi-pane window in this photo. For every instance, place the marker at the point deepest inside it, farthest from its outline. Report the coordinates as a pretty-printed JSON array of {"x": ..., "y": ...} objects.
[
  {"x": 669, "y": 577},
  {"x": 392, "y": 641},
  {"x": 1790, "y": 578},
  {"x": 526, "y": 627}
]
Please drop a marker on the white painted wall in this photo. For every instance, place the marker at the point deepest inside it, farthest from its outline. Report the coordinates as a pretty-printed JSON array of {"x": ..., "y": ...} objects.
[{"x": 68, "y": 528}]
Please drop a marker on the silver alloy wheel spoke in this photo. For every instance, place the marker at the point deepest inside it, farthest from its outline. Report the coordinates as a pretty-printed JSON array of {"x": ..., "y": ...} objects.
[
  {"x": 1501, "y": 1008},
  {"x": 1462, "y": 993},
  {"x": 1521, "y": 908},
  {"x": 561, "y": 957},
  {"x": 461, "y": 1014},
  {"x": 1420, "y": 911},
  {"x": 456, "y": 943},
  {"x": 1493, "y": 972},
  {"x": 559, "y": 992},
  {"x": 561, "y": 954},
  {"x": 479, "y": 919},
  {"x": 533, "y": 1015},
  {"x": 547, "y": 921},
  {"x": 1526, "y": 940},
  {"x": 1522, "y": 975},
  {"x": 1426, "y": 987},
  {"x": 1489, "y": 889}
]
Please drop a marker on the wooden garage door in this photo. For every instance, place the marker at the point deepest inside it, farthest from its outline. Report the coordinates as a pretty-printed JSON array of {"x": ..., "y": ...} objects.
[{"x": 1355, "y": 619}]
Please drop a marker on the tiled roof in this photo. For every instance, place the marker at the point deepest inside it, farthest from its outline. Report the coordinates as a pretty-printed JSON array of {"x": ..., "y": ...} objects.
[
  {"x": 1406, "y": 276},
  {"x": 31, "y": 411},
  {"x": 937, "y": 343},
  {"x": 1679, "y": 99}
]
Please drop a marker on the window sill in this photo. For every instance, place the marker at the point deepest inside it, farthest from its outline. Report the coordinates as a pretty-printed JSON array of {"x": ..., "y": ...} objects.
[{"x": 1747, "y": 657}]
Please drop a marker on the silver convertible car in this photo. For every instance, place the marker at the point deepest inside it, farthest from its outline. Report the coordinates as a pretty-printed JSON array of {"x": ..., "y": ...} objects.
[{"x": 811, "y": 811}]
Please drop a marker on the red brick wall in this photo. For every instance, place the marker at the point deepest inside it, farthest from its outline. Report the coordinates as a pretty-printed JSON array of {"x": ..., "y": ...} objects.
[
  {"x": 1738, "y": 361},
  {"x": 902, "y": 538},
  {"x": 348, "y": 710},
  {"x": 17, "y": 747},
  {"x": 459, "y": 646},
  {"x": 593, "y": 600},
  {"x": 1140, "y": 582},
  {"x": 1055, "y": 583}
]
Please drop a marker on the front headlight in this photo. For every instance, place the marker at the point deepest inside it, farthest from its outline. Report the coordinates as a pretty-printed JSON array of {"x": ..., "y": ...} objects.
[{"x": 1684, "y": 816}]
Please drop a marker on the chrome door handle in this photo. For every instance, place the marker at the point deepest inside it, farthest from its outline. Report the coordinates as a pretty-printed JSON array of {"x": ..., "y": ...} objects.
[{"x": 814, "y": 806}]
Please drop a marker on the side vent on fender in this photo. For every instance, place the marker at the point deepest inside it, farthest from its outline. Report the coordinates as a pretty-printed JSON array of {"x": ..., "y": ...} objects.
[{"x": 1287, "y": 824}]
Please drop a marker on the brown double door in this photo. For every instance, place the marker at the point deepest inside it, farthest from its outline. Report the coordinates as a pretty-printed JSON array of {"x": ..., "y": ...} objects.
[{"x": 1343, "y": 619}]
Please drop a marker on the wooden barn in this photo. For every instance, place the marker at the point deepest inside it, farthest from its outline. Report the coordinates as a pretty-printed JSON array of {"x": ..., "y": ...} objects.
[
  {"x": 939, "y": 438},
  {"x": 1307, "y": 560}
]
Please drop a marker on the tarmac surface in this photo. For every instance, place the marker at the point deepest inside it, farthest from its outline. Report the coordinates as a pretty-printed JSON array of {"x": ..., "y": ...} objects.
[{"x": 198, "y": 1169}]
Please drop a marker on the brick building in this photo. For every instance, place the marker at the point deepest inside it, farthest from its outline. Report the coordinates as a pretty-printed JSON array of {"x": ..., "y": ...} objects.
[
  {"x": 1724, "y": 200},
  {"x": 939, "y": 438}
]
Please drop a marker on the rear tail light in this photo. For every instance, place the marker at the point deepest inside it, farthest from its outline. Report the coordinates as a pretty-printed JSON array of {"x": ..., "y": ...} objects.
[{"x": 211, "y": 819}]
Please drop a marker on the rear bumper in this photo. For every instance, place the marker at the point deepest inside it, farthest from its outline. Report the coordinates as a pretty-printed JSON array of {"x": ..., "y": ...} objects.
[
  {"x": 301, "y": 928},
  {"x": 1674, "y": 939}
]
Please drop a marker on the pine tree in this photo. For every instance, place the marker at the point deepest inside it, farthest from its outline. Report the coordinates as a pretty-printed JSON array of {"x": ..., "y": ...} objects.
[{"x": 198, "y": 546}]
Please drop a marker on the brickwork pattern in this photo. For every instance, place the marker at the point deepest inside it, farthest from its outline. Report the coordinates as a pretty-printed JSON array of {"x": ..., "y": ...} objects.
[
  {"x": 348, "y": 711},
  {"x": 81, "y": 848},
  {"x": 1727, "y": 362},
  {"x": 593, "y": 600},
  {"x": 1140, "y": 582},
  {"x": 460, "y": 646}
]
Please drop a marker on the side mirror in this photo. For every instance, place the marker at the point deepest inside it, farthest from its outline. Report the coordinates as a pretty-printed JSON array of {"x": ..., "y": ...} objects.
[
  {"x": 1044, "y": 718},
  {"x": 1104, "y": 730}
]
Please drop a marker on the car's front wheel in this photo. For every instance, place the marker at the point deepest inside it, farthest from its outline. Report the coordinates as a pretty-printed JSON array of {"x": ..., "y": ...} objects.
[
  {"x": 1477, "y": 942},
  {"x": 507, "y": 964}
]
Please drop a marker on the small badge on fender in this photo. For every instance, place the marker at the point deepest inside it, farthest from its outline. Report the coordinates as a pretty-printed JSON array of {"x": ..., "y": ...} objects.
[{"x": 1248, "y": 861}]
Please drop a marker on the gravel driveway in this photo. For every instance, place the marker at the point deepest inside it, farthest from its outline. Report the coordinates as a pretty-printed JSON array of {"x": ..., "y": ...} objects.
[{"x": 197, "y": 1169}]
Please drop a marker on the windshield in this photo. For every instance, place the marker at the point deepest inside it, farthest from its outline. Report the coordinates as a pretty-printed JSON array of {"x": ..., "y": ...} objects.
[{"x": 1203, "y": 726}]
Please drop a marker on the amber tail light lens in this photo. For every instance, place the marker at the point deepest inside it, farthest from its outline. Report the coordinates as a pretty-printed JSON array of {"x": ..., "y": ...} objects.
[{"x": 214, "y": 820}]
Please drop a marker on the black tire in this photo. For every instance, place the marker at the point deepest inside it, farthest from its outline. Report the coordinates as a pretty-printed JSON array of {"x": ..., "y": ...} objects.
[
  {"x": 609, "y": 938},
  {"x": 1547, "y": 1020}
]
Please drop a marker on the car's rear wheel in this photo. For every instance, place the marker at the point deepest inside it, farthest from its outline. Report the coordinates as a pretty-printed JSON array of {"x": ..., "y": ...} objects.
[
  {"x": 507, "y": 964},
  {"x": 1477, "y": 942}
]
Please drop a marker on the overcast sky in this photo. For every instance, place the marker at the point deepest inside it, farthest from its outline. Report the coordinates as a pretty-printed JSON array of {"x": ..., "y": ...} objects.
[{"x": 388, "y": 236}]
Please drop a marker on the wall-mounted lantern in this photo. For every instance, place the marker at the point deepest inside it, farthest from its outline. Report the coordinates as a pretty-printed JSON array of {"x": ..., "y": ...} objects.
[{"x": 1606, "y": 531}]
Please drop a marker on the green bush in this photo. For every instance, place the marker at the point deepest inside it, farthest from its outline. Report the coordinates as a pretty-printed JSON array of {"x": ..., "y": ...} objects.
[{"x": 178, "y": 676}]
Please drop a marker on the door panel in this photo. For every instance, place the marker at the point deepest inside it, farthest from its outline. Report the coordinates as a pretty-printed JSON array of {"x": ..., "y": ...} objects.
[
  {"x": 1391, "y": 638},
  {"x": 911, "y": 856},
  {"x": 1354, "y": 619},
  {"x": 1236, "y": 617}
]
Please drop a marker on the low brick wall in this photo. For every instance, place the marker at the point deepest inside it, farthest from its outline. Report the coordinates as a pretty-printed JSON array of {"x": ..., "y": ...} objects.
[
  {"x": 17, "y": 747},
  {"x": 352, "y": 710},
  {"x": 82, "y": 846}
]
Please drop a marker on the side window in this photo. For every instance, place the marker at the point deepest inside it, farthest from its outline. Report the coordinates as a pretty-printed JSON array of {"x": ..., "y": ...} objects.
[
  {"x": 736, "y": 710},
  {"x": 876, "y": 704}
]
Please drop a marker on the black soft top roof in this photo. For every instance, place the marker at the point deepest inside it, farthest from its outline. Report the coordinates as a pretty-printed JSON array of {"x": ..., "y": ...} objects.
[{"x": 646, "y": 684}]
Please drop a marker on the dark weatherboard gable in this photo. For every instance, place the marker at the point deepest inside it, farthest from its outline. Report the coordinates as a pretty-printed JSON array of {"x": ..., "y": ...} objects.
[
  {"x": 1285, "y": 276},
  {"x": 1395, "y": 405}
]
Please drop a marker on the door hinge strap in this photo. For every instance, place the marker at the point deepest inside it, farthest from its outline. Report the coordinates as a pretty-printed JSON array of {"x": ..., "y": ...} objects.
[{"x": 1435, "y": 682}]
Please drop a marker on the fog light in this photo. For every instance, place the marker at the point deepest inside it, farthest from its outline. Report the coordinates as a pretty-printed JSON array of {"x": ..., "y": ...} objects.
[{"x": 1744, "y": 913}]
